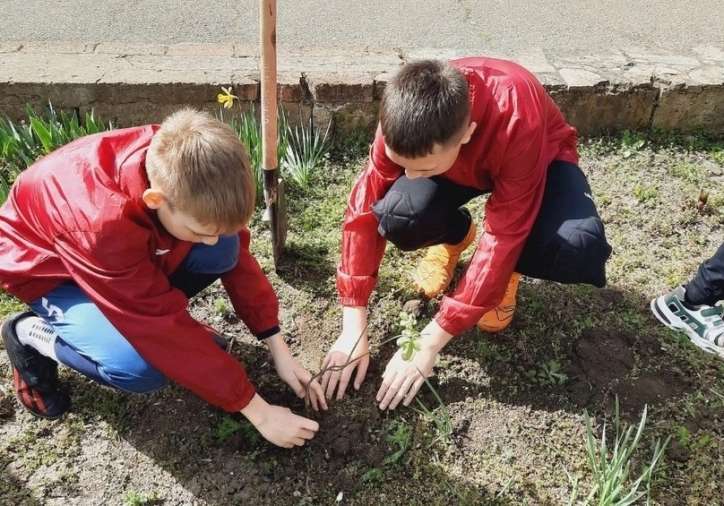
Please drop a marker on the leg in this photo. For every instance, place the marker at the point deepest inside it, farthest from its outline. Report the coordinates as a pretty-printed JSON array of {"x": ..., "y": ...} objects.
[
  {"x": 421, "y": 212},
  {"x": 87, "y": 342},
  {"x": 707, "y": 287},
  {"x": 568, "y": 242},
  {"x": 205, "y": 264}
]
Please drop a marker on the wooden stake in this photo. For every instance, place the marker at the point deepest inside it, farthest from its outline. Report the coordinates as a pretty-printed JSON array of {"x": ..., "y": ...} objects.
[{"x": 273, "y": 187}]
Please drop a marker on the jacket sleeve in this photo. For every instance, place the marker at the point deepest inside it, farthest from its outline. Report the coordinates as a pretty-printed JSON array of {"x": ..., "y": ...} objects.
[
  {"x": 362, "y": 245},
  {"x": 113, "y": 267},
  {"x": 251, "y": 294},
  {"x": 510, "y": 213}
]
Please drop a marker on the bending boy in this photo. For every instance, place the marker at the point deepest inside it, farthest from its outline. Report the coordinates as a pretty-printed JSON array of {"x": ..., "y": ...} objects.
[
  {"x": 448, "y": 133},
  {"x": 108, "y": 237}
]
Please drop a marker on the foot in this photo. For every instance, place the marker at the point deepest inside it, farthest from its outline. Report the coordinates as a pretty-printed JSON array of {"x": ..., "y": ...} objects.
[
  {"x": 435, "y": 270},
  {"x": 498, "y": 318},
  {"x": 703, "y": 324},
  {"x": 35, "y": 377}
]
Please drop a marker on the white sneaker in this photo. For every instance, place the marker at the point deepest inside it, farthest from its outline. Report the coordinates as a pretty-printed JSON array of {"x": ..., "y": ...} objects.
[{"x": 703, "y": 324}]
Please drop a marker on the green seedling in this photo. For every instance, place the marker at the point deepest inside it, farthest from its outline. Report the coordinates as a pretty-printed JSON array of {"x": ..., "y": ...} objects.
[
  {"x": 221, "y": 306},
  {"x": 409, "y": 340}
]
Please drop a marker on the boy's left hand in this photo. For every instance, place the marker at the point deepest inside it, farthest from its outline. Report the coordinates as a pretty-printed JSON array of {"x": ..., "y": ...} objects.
[
  {"x": 403, "y": 378},
  {"x": 293, "y": 374}
]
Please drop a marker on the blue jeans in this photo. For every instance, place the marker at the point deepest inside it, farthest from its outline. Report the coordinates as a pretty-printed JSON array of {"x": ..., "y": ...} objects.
[{"x": 91, "y": 345}]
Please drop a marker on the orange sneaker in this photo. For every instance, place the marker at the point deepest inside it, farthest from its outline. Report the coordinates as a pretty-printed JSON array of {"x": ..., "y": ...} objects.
[
  {"x": 499, "y": 318},
  {"x": 435, "y": 270}
]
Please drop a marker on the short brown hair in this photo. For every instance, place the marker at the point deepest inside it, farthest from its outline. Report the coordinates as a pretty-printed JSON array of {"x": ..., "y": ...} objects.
[
  {"x": 203, "y": 169},
  {"x": 424, "y": 104}
]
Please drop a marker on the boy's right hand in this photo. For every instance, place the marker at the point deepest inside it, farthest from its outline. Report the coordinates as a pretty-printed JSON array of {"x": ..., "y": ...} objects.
[
  {"x": 278, "y": 424},
  {"x": 351, "y": 343}
]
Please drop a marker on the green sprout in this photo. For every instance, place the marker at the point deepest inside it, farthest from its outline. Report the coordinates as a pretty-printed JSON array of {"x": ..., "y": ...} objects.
[{"x": 409, "y": 340}]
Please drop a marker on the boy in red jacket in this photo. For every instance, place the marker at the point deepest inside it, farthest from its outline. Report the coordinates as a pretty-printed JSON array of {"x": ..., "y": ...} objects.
[
  {"x": 108, "y": 237},
  {"x": 448, "y": 133}
]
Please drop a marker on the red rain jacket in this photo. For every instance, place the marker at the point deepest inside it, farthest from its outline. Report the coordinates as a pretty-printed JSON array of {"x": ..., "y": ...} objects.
[
  {"x": 77, "y": 215},
  {"x": 520, "y": 132}
]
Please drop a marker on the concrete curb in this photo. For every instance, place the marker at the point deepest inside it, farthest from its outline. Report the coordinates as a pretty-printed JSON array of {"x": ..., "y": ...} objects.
[{"x": 633, "y": 88}]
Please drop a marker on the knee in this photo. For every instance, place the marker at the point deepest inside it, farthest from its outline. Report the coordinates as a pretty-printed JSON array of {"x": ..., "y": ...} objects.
[
  {"x": 136, "y": 377},
  {"x": 403, "y": 222},
  {"x": 586, "y": 250},
  {"x": 216, "y": 259}
]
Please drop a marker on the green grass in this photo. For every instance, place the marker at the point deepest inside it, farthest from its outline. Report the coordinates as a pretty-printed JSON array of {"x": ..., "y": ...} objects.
[{"x": 22, "y": 143}]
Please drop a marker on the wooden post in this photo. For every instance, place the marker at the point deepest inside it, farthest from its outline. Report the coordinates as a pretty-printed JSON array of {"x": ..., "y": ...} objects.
[{"x": 273, "y": 187}]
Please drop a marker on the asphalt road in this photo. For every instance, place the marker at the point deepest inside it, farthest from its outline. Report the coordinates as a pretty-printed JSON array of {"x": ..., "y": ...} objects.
[{"x": 495, "y": 26}]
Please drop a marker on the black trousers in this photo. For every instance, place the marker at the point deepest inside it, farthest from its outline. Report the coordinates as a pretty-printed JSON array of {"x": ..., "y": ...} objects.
[
  {"x": 567, "y": 243},
  {"x": 707, "y": 287}
]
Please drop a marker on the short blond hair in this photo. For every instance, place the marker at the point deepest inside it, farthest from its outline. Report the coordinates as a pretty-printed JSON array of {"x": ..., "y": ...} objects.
[{"x": 203, "y": 169}]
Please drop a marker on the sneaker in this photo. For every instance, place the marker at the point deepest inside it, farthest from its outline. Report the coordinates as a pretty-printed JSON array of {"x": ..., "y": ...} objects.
[
  {"x": 35, "y": 377},
  {"x": 499, "y": 318},
  {"x": 435, "y": 270},
  {"x": 703, "y": 324}
]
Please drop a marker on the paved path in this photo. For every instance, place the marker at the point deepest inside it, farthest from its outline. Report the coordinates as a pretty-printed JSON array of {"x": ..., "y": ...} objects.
[{"x": 499, "y": 27}]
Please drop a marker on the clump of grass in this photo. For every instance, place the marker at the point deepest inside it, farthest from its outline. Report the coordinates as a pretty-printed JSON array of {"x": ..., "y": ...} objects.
[
  {"x": 305, "y": 153},
  {"x": 613, "y": 483}
]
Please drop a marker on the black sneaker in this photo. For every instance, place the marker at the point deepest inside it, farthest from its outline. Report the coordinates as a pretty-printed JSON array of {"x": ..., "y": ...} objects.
[{"x": 35, "y": 376}]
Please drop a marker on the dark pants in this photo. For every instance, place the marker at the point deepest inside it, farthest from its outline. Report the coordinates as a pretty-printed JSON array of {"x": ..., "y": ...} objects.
[
  {"x": 567, "y": 243},
  {"x": 707, "y": 287}
]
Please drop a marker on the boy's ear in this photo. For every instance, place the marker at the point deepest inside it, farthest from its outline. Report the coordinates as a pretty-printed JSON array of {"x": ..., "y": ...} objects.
[
  {"x": 153, "y": 198},
  {"x": 469, "y": 132}
]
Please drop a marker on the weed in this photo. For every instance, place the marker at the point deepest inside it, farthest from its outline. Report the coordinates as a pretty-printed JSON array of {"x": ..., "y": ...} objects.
[
  {"x": 631, "y": 143},
  {"x": 228, "y": 426},
  {"x": 134, "y": 498},
  {"x": 399, "y": 437},
  {"x": 549, "y": 373},
  {"x": 373, "y": 475},
  {"x": 221, "y": 306},
  {"x": 687, "y": 171},
  {"x": 645, "y": 193},
  {"x": 611, "y": 467}
]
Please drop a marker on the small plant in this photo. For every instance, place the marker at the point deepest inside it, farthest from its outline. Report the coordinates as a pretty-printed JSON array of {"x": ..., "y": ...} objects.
[
  {"x": 409, "y": 340},
  {"x": 611, "y": 466},
  {"x": 222, "y": 307},
  {"x": 228, "y": 426},
  {"x": 373, "y": 475},
  {"x": 687, "y": 171},
  {"x": 631, "y": 143},
  {"x": 645, "y": 193},
  {"x": 399, "y": 436},
  {"x": 549, "y": 373},
  {"x": 134, "y": 498}
]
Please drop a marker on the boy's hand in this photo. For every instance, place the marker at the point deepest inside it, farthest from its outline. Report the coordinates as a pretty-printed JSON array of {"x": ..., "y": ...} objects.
[
  {"x": 293, "y": 374},
  {"x": 403, "y": 378},
  {"x": 278, "y": 424},
  {"x": 353, "y": 337}
]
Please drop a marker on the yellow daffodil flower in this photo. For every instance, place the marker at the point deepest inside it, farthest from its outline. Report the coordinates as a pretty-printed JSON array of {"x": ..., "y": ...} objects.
[{"x": 226, "y": 98}]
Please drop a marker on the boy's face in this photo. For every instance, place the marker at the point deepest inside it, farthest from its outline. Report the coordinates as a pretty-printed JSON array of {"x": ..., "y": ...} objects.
[
  {"x": 437, "y": 162},
  {"x": 180, "y": 224}
]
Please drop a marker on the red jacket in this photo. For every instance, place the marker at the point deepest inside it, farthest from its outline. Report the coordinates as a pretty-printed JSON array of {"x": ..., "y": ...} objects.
[
  {"x": 520, "y": 132},
  {"x": 77, "y": 215}
]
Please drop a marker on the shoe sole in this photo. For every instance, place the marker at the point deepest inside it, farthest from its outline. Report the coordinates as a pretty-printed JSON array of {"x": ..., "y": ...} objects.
[
  {"x": 662, "y": 313},
  {"x": 28, "y": 403}
]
